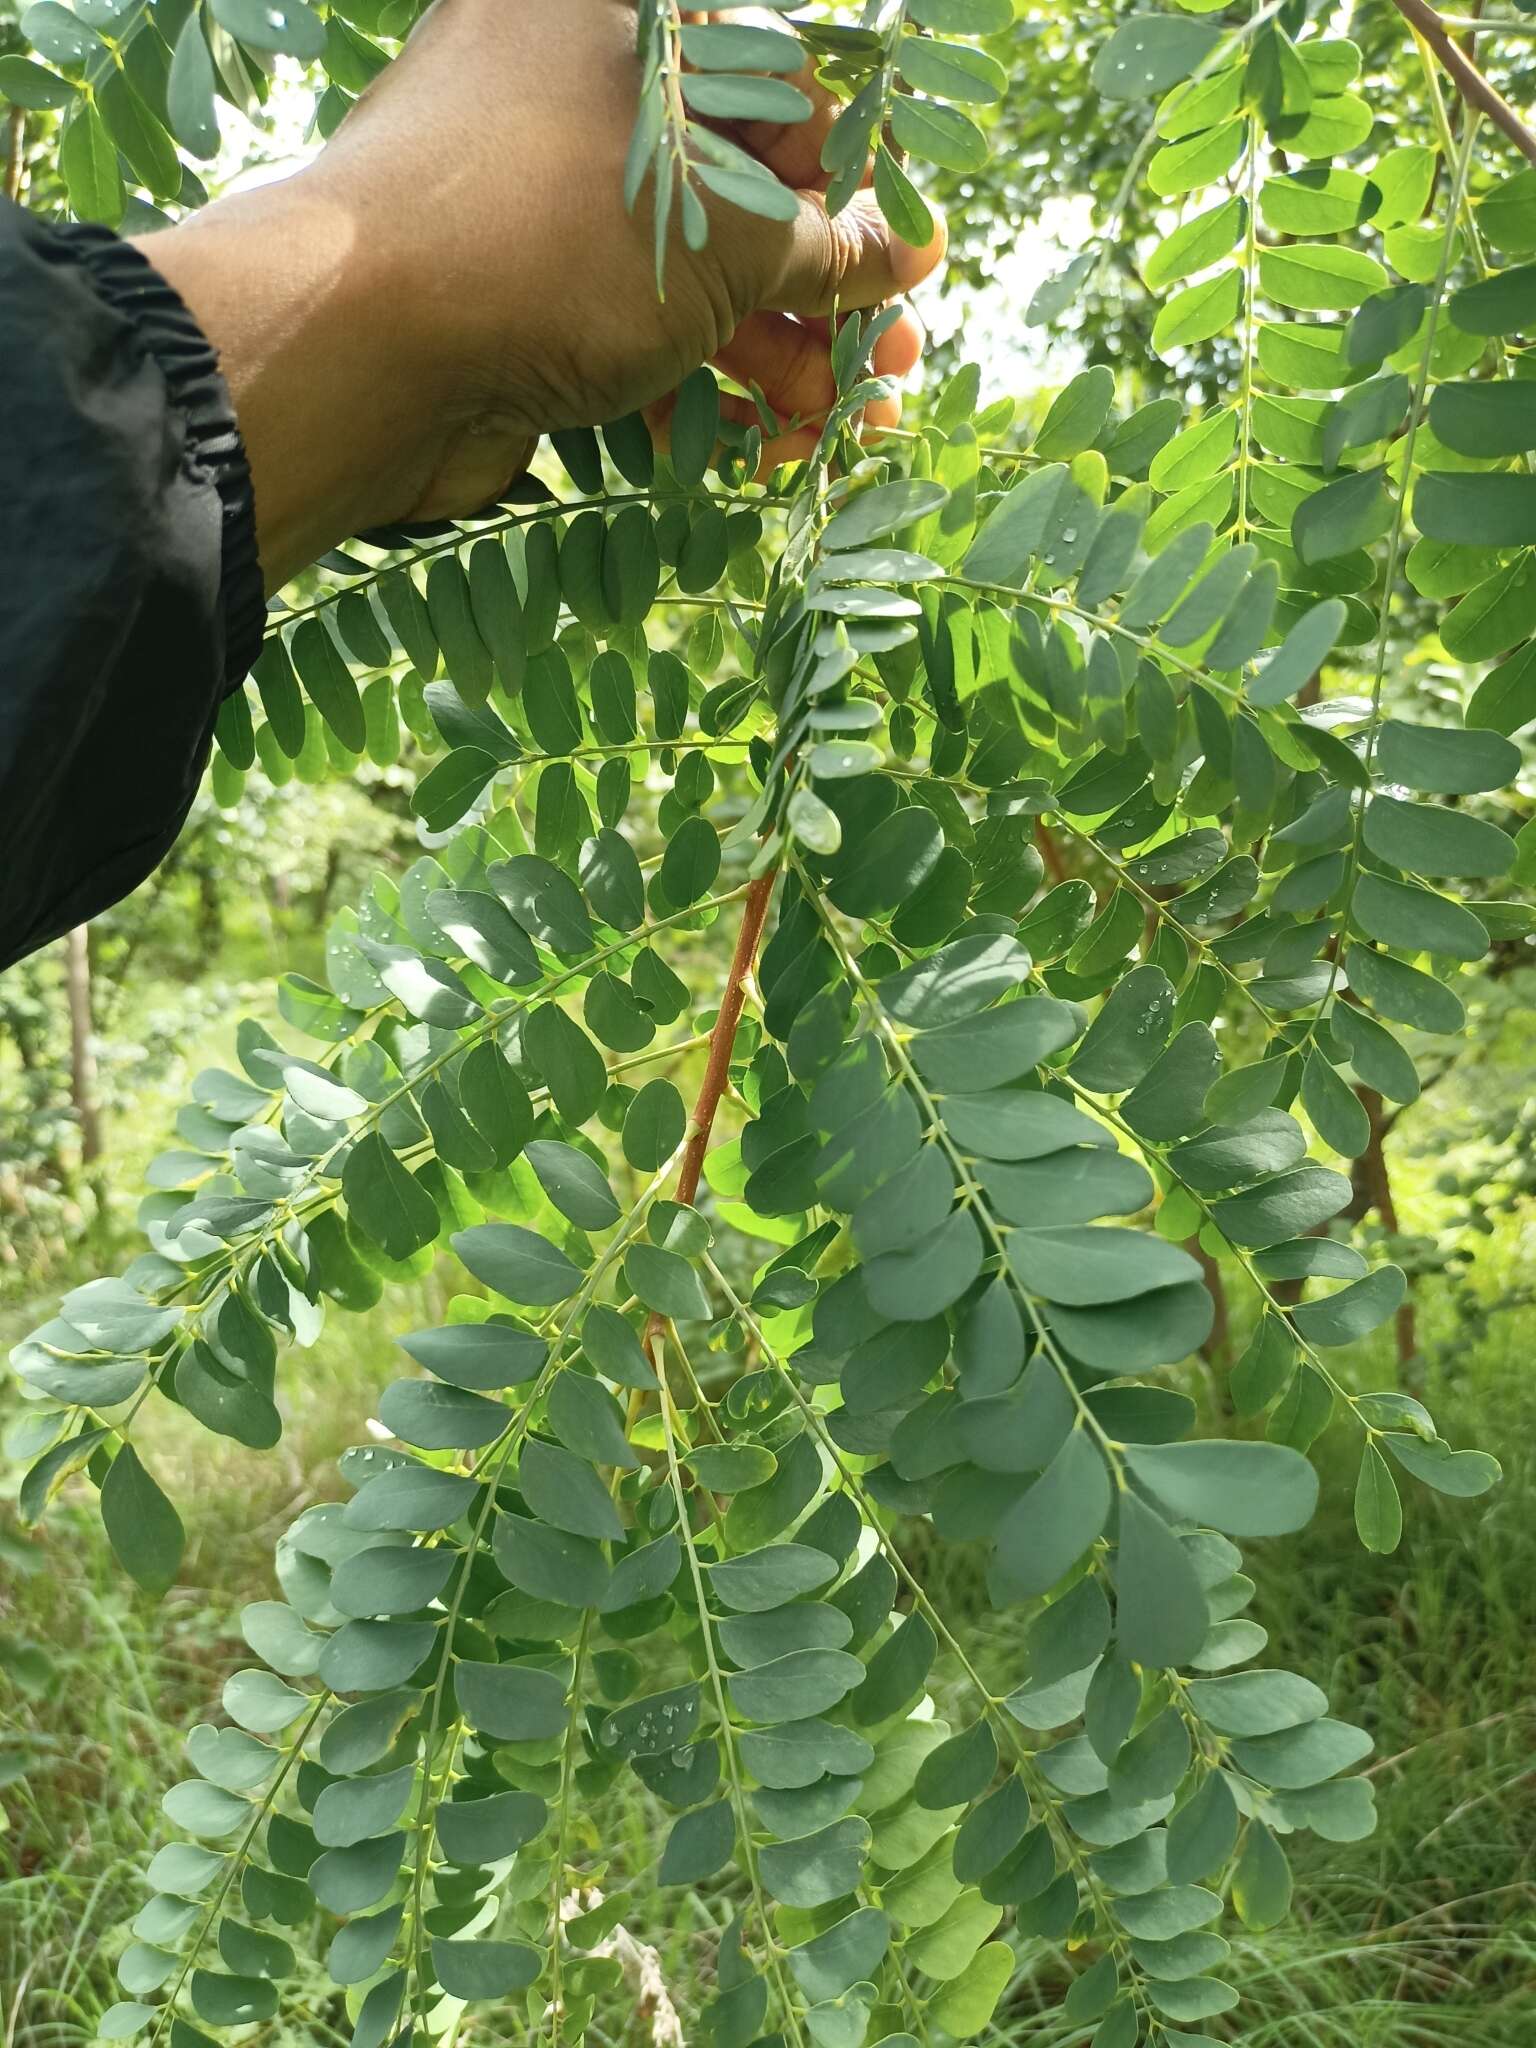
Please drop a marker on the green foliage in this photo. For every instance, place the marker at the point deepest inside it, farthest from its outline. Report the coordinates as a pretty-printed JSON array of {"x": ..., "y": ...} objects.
[{"x": 947, "y": 1265}]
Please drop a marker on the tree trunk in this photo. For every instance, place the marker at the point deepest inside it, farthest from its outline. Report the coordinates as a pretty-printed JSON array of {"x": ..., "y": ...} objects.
[
  {"x": 328, "y": 883},
  {"x": 1373, "y": 1190},
  {"x": 210, "y": 909},
  {"x": 26, "y": 1052},
  {"x": 1216, "y": 1351},
  {"x": 1050, "y": 852},
  {"x": 16, "y": 153},
  {"x": 82, "y": 1051}
]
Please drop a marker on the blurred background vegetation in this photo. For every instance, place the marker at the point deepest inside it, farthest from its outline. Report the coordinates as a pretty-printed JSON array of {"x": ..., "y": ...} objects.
[{"x": 1424, "y": 1935}]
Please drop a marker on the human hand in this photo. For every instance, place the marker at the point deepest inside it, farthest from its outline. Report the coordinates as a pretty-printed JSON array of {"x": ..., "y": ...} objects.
[
  {"x": 457, "y": 274},
  {"x": 538, "y": 285}
]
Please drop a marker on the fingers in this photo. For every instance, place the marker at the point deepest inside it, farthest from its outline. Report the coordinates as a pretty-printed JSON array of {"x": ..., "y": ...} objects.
[
  {"x": 850, "y": 259},
  {"x": 899, "y": 350},
  {"x": 791, "y": 150},
  {"x": 798, "y": 444},
  {"x": 789, "y": 361}
]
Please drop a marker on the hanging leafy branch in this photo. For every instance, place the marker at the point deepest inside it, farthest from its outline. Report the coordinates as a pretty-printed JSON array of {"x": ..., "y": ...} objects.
[{"x": 909, "y": 1254}]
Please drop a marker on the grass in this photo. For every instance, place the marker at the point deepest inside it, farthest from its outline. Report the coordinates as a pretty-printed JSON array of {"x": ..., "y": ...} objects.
[{"x": 103, "y": 1692}]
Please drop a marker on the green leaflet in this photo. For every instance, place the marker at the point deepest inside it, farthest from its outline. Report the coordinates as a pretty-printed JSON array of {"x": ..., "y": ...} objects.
[
  {"x": 564, "y": 1492},
  {"x": 511, "y": 1703},
  {"x": 144, "y": 1529},
  {"x": 481, "y": 1356},
  {"x": 1146, "y": 56},
  {"x": 1244, "y": 1489},
  {"x": 1488, "y": 511},
  {"x": 1444, "y": 761},
  {"x": 387, "y": 1202},
  {"x": 484, "y": 1969},
  {"x": 517, "y": 1263},
  {"x": 1499, "y": 304},
  {"x": 1084, "y": 1268},
  {"x": 1054, "y": 1521},
  {"x": 1429, "y": 839},
  {"x": 766, "y": 1578},
  {"x": 1161, "y": 1611}
]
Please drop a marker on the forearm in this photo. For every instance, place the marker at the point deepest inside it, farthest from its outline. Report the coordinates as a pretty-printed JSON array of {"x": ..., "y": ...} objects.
[{"x": 300, "y": 295}]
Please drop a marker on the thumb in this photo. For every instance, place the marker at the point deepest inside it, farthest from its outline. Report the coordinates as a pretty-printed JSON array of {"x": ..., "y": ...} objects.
[{"x": 852, "y": 258}]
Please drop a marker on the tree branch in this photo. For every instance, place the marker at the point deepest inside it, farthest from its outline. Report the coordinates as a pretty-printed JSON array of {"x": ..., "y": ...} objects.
[
  {"x": 1217, "y": 1348},
  {"x": 1050, "y": 852},
  {"x": 722, "y": 1040},
  {"x": 16, "y": 153},
  {"x": 1469, "y": 81}
]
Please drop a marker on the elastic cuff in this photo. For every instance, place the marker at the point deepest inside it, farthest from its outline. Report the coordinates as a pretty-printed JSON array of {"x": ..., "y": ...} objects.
[{"x": 128, "y": 281}]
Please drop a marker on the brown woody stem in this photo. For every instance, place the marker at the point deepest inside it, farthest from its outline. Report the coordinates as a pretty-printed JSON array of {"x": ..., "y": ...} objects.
[
  {"x": 1050, "y": 852},
  {"x": 722, "y": 1041},
  {"x": 1469, "y": 81},
  {"x": 16, "y": 153},
  {"x": 722, "y": 1038}
]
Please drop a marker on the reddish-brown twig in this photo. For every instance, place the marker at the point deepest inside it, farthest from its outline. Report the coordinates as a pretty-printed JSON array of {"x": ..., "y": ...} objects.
[
  {"x": 1469, "y": 81},
  {"x": 722, "y": 1041}
]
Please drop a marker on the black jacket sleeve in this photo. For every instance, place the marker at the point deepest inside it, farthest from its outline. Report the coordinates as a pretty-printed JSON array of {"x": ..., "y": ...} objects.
[{"x": 130, "y": 593}]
